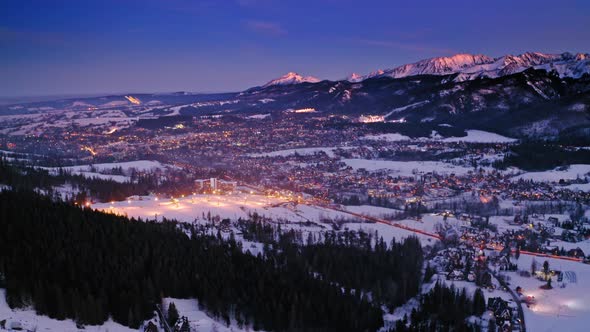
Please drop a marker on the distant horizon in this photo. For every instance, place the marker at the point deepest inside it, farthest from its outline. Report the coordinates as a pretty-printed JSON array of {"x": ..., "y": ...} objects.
[
  {"x": 99, "y": 94},
  {"x": 73, "y": 47},
  {"x": 9, "y": 99}
]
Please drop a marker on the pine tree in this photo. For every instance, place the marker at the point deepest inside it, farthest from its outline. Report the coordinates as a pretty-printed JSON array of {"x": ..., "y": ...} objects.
[
  {"x": 492, "y": 325},
  {"x": 546, "y": 268},
  {"x": 479, "y": 304},
  {"x": 172, "y": 314}
]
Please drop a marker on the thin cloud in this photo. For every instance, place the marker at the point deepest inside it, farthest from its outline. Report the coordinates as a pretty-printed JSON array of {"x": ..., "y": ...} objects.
[{"x": 265, "y": 28}]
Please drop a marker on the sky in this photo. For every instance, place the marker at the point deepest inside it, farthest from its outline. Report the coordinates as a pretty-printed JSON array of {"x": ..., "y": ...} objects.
[{"x": 67, "y": 47}]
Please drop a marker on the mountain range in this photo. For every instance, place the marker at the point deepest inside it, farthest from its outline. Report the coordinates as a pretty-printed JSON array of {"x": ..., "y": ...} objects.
[
  {"x": 469, "y": 67},
  {"x": 530, "y": 95}
]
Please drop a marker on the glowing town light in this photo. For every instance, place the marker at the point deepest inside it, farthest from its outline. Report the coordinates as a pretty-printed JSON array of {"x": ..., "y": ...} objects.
[
  {"x": 110, "y": 131},
  {"x": 305, "y": 110},
  {"x": 371, "y": 118},
  {"x": 133, "y": 100},
  {"x": 89, "y": 149}
]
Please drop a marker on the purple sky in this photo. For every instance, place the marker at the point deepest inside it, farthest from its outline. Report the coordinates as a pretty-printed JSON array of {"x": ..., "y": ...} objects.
[{"x": 73, "y": 46}]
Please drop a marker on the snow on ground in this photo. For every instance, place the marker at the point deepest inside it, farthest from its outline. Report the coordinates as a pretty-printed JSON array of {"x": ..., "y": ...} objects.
[
  {"x": 259, "y": 116},
  {"x": 116, "y": 178},
  {"x": 571, "y": 173},
  {"x": 30, "y": 321},
  {"x": 584, "y": 245},
  {"x": 403, "y": 108},
  {"x": 101, "y": 170},
  {"x": 370, "y": 210},
  {"x": 407, "y": 168},
  {"x": 301, "y": 151},
  {"x": 478, "y": 136},
  {"x": 388, "y": 232},
  {"x": 139, "y": 165},
  {"x": 196, "y": 207},
  {"x": 558, "y": 309},
  {"x": 579, "y": 187},
  {"x": 393, "y": 137},
  {"x": 198, "y": 319}
]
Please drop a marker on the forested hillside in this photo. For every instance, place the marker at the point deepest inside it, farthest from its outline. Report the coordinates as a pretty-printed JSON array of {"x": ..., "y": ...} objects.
[{"x": 78, "y": 263}]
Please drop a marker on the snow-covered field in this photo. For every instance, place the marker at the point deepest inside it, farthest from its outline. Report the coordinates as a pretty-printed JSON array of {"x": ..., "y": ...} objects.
[
  {"x": 370, "y": 210},
  {"x": 558, "y": 309},
  {"x": 571, "y": 173},
  {"x": 101, "y": 170},
  {"x": 301, "y": 151},
  {"x": 579, "y": 187},
  {"x": 388, "y": 232},
  {"x": 198, "y": 319},
  {"x": 259, "y": 116},
  {"x": 393, "y": 137},
  {"x": 473, "y": 136},
  {"x": 406, "y": 168},
  {"x": 139, "y": 165},
  {"x": 28, "y": 320},
  {"x": 197, "y": 207},
  {"x": 478, "y": 136}
]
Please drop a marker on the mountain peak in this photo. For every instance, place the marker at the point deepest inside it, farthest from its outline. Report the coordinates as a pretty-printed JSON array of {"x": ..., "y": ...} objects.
[
  {"x": 291, "y": 78},
  {"x": 354, "y": 77}
]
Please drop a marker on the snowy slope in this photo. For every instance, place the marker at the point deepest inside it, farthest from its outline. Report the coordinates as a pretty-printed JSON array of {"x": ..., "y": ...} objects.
[
  {"x": 291, "y": 78},
  {"x": 198, "y": 319},
  {"x": 478, "y": 136},
  {"x": 571, "y": 173},
  {"x": 30, "y": 321},
  {"x": 470, "y": 66},
  {"x": 195, "y": 207},
  {"x": 406, "y": 168}
]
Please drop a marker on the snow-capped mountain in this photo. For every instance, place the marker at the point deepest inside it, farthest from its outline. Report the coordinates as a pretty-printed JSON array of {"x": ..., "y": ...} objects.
[
  {"x": 291, "y": 78},
  {"x": 354, "y": 77},
  {"x": 470, "y": 66}
]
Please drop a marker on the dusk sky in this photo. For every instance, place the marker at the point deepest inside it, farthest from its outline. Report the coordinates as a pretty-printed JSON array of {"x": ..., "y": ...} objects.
[{"x": 73, "y": 46}]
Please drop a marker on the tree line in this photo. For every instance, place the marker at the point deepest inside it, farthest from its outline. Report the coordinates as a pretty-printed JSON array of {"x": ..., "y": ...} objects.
[
  {"x": 444, "y": 308},
  {"x": 361, "y": 263},
  {"x": 71, "y": 262}
]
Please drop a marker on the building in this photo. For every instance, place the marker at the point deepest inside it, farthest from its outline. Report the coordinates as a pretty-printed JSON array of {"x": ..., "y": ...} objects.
[{"x": 213, "y": 184}]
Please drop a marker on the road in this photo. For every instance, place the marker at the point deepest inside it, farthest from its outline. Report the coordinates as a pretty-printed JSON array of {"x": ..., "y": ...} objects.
[
  {"x": 163, "y": 320},
  {"x": 436, "y": 236},
  {"x": 387, "y": 222},
  {"x": 516, "y": 300}
]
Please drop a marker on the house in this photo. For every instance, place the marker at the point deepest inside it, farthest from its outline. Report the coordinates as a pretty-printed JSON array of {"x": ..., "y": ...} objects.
[
  {"x": 150, "y": 327},
  {"x": 576, "y": 253},
  {"x": 501, "y": 310},
  {"x": 506, "y": 251},
  {"x": 455, "y": 275},
  {"x": 495, "y": 303},
  {"x": 504, "y": 263}
]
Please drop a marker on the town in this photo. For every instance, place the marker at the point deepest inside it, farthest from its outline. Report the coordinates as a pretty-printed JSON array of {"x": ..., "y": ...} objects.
[{"x": 304, "y": 170}]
